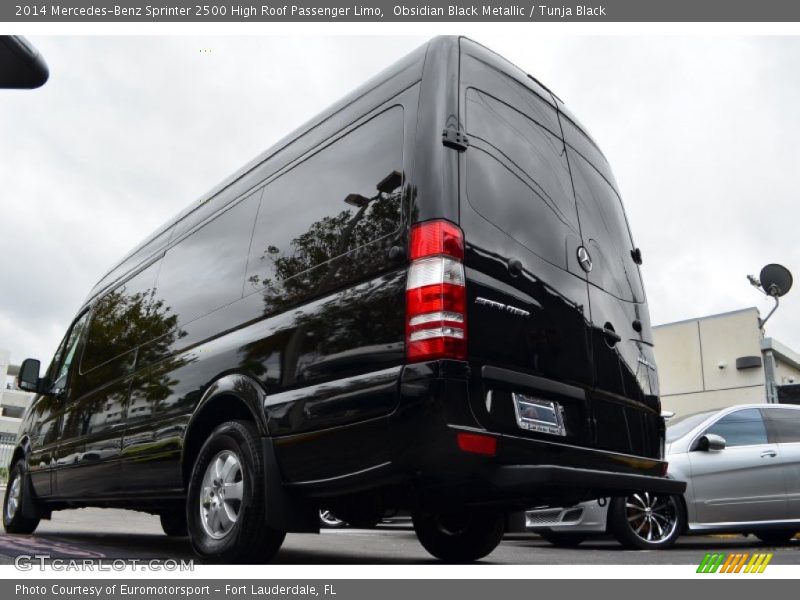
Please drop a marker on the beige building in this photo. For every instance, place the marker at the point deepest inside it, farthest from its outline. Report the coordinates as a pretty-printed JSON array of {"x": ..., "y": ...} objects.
[
  {"x": 721, "y": 360},
  {"x": 13, "y": 403}
]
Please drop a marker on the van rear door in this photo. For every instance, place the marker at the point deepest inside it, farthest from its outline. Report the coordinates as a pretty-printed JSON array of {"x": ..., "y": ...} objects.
[
  {"x": 528, "y": 305},
  {"x": 625, "y": 404}
]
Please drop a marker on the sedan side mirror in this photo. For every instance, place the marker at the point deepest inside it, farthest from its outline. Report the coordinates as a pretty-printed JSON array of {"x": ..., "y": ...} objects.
[
  {"x": 28, "y": 378},
  {"x": 710, "y": 442}
]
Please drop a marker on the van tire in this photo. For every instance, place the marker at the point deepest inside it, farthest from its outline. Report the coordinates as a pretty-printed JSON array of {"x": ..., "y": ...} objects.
[
  {"x": 16, "y": 490},
  {"x": 173, "y": 523},
  {"x": 775, "y": 537},
  {"x": 230, "y": 529},
  {"x": 459, "y": 536}
]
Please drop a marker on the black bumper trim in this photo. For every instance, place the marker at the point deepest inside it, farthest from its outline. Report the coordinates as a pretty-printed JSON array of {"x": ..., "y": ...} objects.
[{"x": 535, "y": 478}]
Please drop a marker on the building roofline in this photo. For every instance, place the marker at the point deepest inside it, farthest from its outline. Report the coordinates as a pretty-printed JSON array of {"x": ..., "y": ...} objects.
[
  {"x": 707, "y": 317},
  {"x": 782, "y": 351}
]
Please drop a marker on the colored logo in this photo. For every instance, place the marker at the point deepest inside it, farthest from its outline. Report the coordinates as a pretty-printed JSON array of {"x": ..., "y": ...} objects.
[{"x": 734, "y": 563}]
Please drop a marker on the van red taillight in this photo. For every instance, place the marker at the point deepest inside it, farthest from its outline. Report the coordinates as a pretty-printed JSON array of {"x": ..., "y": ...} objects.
[
  {"x": 477, "y": 444},
  {"x": 436, "y": 237},
  {"x": 436, "y": 323}
]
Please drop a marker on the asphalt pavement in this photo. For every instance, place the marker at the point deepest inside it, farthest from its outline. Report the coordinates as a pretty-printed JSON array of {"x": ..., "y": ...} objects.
[{"x": 107, "y": 533}]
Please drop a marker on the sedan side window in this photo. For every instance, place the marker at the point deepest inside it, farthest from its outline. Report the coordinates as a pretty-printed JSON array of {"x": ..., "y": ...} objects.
[
  {"x": 741, "y": 428},
  {"x": 785, "y": 424}
]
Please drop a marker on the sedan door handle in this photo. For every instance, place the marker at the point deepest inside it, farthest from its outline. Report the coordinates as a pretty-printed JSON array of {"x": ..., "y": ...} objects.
[{"x": 769, "y": 453}]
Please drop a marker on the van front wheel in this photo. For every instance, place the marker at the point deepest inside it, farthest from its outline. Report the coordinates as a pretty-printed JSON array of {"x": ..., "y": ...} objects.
[
  {"x": 13, "y": 519},
  {"x": 460, "y": 535},
  {"x": 225, "y": 504}
]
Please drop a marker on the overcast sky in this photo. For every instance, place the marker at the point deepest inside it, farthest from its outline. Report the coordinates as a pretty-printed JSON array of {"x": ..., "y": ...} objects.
[{"x": 701, "y": 132}]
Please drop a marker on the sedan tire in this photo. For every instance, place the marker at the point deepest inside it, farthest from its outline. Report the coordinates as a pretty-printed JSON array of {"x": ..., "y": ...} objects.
[{"x": 646, "y": 521}]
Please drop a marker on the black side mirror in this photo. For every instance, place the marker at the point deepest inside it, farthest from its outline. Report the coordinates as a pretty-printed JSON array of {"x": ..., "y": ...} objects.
[
  {"x": 21, "y": 65},
  {"x": 28, "y": 378}
]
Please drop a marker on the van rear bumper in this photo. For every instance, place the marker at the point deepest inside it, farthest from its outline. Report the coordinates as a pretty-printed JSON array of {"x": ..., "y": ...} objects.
[
  {"x": 532, "y": 479},
  {"x": 525, "y": 473},
  {"x": 522, "y": 471}
]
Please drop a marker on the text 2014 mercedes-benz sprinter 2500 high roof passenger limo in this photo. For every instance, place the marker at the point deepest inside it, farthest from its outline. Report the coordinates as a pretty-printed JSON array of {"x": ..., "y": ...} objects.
[{"x": 426, "y": 298}]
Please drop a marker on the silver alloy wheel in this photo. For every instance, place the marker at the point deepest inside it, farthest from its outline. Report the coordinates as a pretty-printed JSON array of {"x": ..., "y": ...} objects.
[
  {"x": 221, "y": 494},
  {"x": 651, "y": 517},
  {"x": 14, "y": 497},
  {"x": 329, "y": 519}
]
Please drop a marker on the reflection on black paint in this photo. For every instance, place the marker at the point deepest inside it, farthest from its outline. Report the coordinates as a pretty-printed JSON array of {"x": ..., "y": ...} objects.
[
  {"x": 360, "y": 327},
  {"x": 125, "y": 328}
]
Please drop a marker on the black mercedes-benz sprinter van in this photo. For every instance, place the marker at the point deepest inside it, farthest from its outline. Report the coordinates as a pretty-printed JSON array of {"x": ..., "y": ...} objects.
[{"x": 426, "y": 298}]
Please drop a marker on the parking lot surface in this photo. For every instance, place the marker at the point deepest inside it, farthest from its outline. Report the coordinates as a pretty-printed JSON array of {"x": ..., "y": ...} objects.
[{"x": 106, "y": 533}]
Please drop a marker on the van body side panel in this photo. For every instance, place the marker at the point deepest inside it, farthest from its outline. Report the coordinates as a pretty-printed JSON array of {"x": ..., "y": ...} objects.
[
  {"x": 318, "y": 310},
  {"x": 350, "y": 384}
]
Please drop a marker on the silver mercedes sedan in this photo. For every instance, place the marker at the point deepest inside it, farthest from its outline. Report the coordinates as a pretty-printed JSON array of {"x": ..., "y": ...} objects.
[{"x": 742, "y": 468}]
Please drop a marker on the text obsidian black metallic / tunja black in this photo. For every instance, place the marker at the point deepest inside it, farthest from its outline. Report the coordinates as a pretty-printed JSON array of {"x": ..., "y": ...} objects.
[{"x": 426, "y": 298}]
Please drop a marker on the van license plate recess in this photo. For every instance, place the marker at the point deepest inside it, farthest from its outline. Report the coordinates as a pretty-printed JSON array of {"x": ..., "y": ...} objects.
[{"x": 537, "y": 414}]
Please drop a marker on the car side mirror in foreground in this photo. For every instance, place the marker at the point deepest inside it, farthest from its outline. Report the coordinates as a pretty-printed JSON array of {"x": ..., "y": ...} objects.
[
  {"x": 21, "y": 65},
  {"x": 28, "y": 378},
  {"x": 710, "y": 442}
]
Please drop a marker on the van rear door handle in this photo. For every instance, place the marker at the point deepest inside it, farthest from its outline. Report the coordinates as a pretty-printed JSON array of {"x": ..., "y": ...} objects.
[
  {"x": 769, "y": 453},
  {"x": 611, "y": 336}
]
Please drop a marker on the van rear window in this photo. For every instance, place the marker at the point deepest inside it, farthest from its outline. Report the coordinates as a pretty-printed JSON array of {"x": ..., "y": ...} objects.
[
  {"x": 518, "y": 177},
  {"x": 606, "y": 233}
]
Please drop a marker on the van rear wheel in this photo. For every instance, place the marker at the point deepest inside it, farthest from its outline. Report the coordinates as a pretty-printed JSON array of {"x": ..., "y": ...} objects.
[
  {"x": 776, "y": 537},
  {"x": 225, "y": 504},
  {"x": 463, "y": 535}
]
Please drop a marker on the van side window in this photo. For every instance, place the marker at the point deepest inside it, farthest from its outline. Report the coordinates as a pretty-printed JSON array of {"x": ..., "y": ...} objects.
[
  {"x": 124, "y": 318},
  {"x": 153, "y": 244},
  {"x": 341, "y": 198},
  {"x": 205, "y": 270},
  {"x": 518, "y": 177}
]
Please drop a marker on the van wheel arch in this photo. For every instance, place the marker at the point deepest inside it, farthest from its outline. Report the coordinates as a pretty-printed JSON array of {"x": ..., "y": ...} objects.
[
  {"x": 20, "y": 453},
  {"x": 219, "y": 404}
]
